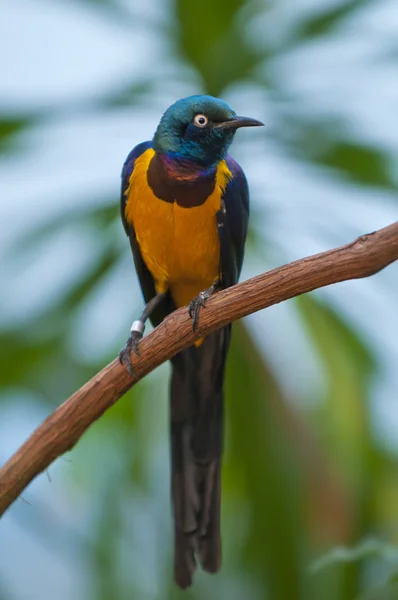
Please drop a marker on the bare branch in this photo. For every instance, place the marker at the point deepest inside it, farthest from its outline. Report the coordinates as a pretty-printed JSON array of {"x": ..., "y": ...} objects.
[{"x": 63, "y": 428}]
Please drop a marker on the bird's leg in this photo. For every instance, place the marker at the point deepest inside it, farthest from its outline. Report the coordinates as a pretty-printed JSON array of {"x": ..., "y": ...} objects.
[
  {"x": 200, "y": 301},
  {"x": 136, "y": 333}
]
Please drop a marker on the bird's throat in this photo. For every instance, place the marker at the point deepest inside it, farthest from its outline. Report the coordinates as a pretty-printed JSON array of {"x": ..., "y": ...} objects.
[{"x": 180, "y": 180}]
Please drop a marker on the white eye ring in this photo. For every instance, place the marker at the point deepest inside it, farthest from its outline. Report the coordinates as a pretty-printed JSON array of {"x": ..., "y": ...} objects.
[{"x": 200, "y": 120}]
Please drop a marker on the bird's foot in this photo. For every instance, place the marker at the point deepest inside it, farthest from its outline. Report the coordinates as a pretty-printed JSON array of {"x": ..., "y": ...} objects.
[
  {"x": 136, "y": 333},
  {"x": 199, "y": 302}
]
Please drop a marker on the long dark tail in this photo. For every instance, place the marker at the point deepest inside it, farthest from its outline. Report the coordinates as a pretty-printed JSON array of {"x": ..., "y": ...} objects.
[{"x": 196, "y": 447}]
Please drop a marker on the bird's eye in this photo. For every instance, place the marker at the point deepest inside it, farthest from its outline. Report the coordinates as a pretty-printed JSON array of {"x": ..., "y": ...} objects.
[{"x": 200, "y": 120}]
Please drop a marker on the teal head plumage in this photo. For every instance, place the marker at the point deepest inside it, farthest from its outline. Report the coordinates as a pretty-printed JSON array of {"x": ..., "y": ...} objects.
[{"x": 199, "y": 129}]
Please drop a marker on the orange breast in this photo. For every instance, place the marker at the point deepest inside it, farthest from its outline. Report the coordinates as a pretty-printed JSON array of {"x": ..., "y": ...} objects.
[{"x": 179, "y": 245}]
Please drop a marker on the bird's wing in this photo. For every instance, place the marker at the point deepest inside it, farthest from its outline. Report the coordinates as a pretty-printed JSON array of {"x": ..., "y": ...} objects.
[
  {"x": 232, "y": 222},
  {"x": 127, "y": 170},
  {"x": 145, "y": 278}
]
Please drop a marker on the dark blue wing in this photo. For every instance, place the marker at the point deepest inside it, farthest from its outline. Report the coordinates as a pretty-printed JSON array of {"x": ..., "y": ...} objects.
[
  {"x": 127, "y": 169},
  {"x": 232, "y": 222},
  {"x": 145, "y": 278}
]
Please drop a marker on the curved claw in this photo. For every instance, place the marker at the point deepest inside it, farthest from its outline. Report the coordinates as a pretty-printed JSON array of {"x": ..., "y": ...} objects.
[
  {"x": 134, "y": 339},
  {"x": 124, "y": 359},
  {"x": 194, "y": 308},
  {"x": 124, "y": 354}
]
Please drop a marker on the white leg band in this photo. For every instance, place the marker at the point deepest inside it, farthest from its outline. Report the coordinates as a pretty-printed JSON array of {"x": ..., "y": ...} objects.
[{"x": 138, "y": 326}]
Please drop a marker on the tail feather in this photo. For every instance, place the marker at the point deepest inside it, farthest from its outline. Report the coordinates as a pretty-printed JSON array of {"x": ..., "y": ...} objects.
[
  {"x": 210, "y": 539},
  {"x": 196, "y": 447}
]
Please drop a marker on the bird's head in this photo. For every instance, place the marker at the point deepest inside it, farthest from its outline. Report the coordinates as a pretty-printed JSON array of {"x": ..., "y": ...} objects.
[{"x": 198, "y": 128}]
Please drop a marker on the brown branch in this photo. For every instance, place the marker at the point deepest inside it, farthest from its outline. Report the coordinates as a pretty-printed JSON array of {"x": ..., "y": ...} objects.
[{"x": 63, "y": 428}]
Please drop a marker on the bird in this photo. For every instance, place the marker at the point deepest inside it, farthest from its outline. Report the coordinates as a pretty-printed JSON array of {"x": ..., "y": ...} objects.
[{"x": 185, "y": 209}]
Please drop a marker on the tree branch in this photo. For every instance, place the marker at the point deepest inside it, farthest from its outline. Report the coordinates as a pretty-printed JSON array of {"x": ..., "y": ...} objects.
[{"x": 63, "y": 428}]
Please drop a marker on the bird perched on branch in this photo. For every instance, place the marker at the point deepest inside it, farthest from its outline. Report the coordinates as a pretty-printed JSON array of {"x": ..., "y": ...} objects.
[{"x": 185, "y": 208}]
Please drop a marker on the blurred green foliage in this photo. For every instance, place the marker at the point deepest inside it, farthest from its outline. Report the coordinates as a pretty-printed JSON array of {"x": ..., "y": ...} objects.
[{"x": 302, "y": 490}]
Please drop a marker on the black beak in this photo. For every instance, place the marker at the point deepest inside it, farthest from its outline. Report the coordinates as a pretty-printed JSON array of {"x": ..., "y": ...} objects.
[{"x": 237, "y": 122}]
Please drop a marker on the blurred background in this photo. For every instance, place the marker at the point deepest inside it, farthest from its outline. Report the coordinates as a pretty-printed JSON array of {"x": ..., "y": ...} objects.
[{"x": 310, "y": 479}]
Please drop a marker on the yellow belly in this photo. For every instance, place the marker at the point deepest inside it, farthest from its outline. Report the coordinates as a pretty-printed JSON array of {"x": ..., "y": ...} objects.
[{"x": 180, "y": 246}]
